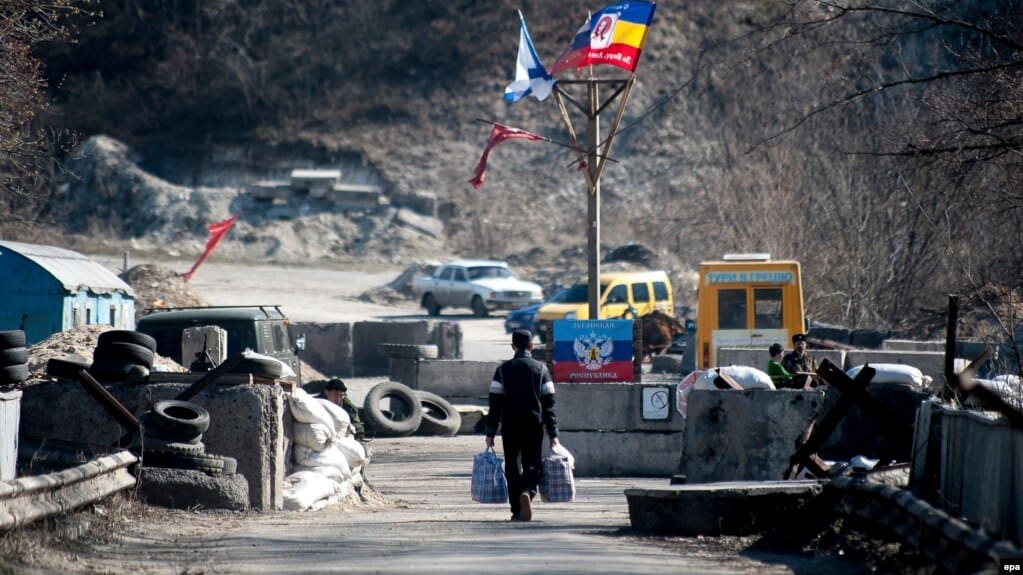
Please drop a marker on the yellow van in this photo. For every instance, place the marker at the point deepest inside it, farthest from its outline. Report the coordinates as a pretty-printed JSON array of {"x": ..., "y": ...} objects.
[
  {"x": 747, "y": 300},
  {"x": 622, "y": 295}
]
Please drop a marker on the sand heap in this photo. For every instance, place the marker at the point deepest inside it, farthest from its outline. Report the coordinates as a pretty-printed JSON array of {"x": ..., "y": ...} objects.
[
  {"x": 159, "y": 287},
  {"x": 79, "y": 341}
]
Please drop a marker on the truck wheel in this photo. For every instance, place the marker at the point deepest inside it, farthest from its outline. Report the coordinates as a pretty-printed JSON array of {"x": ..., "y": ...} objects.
[
  {"x": 407, "y": 351},
  {"x": 431, "y": 305},
  {"x": 479, "y": 309},
  {"x": 403, "y": 417},
  {"x": 439, "y": 416}
]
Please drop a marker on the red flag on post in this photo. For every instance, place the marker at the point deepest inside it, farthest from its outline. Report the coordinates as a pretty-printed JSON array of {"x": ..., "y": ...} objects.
[
  {"x": 498, "y": 134},
  {"x": 217, "y": 233}
]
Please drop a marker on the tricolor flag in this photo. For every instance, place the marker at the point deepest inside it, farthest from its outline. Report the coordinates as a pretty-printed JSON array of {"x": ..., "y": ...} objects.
[
  {"x": 613, "y": 36},
  {"x": 530, "y": 75},
  {"x": 498, "y": 134},
  {"x": 217, "y": 232}
]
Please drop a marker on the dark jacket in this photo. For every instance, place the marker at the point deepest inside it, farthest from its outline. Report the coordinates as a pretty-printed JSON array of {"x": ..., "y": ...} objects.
[{"x": 522, "y": 396}]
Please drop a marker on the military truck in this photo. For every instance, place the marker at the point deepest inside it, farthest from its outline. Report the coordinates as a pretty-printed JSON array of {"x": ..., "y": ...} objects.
[{"x": 260, "y": 328}]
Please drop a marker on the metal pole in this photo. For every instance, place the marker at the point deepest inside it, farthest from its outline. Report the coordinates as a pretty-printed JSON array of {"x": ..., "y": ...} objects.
[{"x": 593, "y": 204}]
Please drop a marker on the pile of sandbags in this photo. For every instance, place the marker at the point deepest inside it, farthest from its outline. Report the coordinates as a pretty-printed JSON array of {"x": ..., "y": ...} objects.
[{"x": 326, "y": 460}]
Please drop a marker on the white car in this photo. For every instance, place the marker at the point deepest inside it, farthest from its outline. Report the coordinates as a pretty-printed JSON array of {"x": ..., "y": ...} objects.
[{"x": 480, "y": 285}]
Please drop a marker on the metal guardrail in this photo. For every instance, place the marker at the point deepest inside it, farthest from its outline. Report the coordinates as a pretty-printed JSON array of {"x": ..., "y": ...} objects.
[{"x": 27, "y": 499}]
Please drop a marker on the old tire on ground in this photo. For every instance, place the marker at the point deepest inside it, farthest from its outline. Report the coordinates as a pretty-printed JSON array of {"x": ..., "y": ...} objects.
[
  {"x": 479, "y": 309},
  {"x": 151, "y": 444},
  {"x": 407, "y": 351},
  {"x": 263, "y": 367},
  {"x": 115, "y": 370},
  {"x": 67, "y": 368},
  {"x": 13, "y": 356},
  {"x": 404, "y": 416},
  {"x": 126, "y": 336},
  {"x": 230, "y": 465},
  {"x": 122, "y": 350},
  {"x": 439, "y": 416},
  {"x": 153, "y": 431},
  {"x": 431, "y": 305},
  {"x": 12, "y": 338},
  {"x": 210, "y": 464},
  {"x": 180, "y": 418},
  {"x": 13, "y": 373}
]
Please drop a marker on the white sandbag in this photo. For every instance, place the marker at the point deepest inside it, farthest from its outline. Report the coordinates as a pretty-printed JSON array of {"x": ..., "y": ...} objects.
[
  {"x": 1005, "y": 387},
  {"x": 331, "y": 472},
  {"x": 304, "y": 488},
  {"x": 307, "y": 409},
  {"x": 330, "y": 457},
  {"x": 746, "y": 376},
  {"x": 315, "y": 436},
  {"x": 337, "y": 413},
  {"x": 286, "y": 370},
  {"x": 353, "y": 451},
  {"x": 892, "y": 373}
]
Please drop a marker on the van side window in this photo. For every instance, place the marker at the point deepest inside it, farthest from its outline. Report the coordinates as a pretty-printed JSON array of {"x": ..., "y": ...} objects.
[
  {"x": 767, "y": 308},
  {"x": 640, "y": 293},
  {"x": 660, "y": 291},
  {"x": 732, "y": 309},
  {"x": 618, "y": 294}
]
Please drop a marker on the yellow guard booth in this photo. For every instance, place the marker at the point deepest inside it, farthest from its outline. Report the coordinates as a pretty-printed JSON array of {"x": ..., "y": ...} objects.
[{"x": 747, "y": 300}]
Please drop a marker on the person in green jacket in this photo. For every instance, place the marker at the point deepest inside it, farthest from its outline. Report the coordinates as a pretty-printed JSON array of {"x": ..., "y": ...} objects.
[
  {"x": 337, "y": 392},
  {"x": 779, "y": 375}
]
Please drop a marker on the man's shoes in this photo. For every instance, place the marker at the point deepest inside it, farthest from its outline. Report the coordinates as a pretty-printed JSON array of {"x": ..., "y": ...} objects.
[
  {"x": 515, "y": 518},
  {"x": 525, "y": 507}
]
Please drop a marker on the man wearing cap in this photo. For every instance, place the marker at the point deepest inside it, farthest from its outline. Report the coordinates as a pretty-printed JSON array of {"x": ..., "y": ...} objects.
[
  {"x": 337, "y": 393},
  {"x": 522, "y": 404},
  {"x": 800, "y": 363}
]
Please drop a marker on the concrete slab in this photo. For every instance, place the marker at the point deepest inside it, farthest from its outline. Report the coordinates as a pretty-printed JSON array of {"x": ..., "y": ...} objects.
[
  {"x": 473, "y": 419},
  {"x": 727, "y": 508},
  {"x": 189, "y": 489},
  {"x": 745, "y": 435},
  {"x": 452, "y": 378},
  {"x": 612, "y": 407}
]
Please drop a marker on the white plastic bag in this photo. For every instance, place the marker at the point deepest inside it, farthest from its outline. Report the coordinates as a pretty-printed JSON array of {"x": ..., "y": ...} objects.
[
  {"x": 342, "y": 420},
  {"x": 315, "y": 436},
  {"x": 746, "y": 376},
  {"x": 286, "y": 370},
  {"x": 307, "y": 409}
]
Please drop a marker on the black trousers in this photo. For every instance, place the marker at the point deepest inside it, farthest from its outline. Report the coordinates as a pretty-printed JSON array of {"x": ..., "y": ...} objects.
[{"x": 522, "y": 449}]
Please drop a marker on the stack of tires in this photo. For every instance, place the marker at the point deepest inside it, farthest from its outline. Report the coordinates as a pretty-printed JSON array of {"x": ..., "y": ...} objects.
[
  {"x": 13, "y": 357},
  {"x": 123, "y": 356},
  {"x": 172, "y": 438},
  {"x": 393, "y": 409}
]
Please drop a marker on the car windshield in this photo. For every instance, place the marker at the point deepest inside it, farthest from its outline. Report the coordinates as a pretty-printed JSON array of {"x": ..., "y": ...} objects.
[
  {"x": 579, "y": 293},
  {"x": 481, "y": 272}
]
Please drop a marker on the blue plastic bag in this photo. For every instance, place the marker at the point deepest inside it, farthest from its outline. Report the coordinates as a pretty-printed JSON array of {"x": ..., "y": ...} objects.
[{"x": 488, "y": 482}]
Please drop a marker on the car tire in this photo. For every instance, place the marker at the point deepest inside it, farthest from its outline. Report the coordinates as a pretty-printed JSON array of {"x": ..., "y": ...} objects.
[
  {"x": 13, "y": 356},
  {"x": 209, "y": 464},
  {"x": 479, "y": 309},
  {"x": 151, "y": 444},
  {"x": 114, "y": 370},
  {"x": 153, "y": 431},
  {"x": 180, "y": 418},
  {"x": 430, "y": 303},
  {"x": 391, "y": 423},
  {"x": 124, "y": 351},
  {"x": 407, "y": 351},
  {"x": 439, "y": 416},
  {"x": 126, "y": 336},
  {"x": 262, "y": 367},
  {"x": 230, "y": 465},
  {"x": 13, "y": 373},
  {"x": 12, "y": 338}
]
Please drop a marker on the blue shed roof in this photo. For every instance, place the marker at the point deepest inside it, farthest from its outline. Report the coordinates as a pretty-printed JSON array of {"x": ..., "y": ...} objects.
[{"x": 72, "y": 269}]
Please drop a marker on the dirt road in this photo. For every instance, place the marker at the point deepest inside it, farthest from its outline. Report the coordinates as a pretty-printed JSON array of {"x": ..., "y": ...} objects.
[{"x": 428, "y": 525}]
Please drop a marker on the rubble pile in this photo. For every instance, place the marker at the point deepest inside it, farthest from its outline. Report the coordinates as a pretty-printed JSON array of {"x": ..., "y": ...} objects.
[
  {"x": 158, "y": 287},
  {"x": 79, "y": 341}
]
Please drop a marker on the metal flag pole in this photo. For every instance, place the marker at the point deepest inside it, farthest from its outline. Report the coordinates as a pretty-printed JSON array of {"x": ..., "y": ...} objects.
[{"x": 593, "y": 158}]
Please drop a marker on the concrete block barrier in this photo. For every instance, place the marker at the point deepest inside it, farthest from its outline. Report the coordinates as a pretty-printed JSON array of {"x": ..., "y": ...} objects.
[
  {"x": 624, "y": 453},
  {"x": 246, "y": 422},
  {"x": 612, "y": 407},
  {"x": 456, "y": 379},
  {"x": 745, "y": 435}
]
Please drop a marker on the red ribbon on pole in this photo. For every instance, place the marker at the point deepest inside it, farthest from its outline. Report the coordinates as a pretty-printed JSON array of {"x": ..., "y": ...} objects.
[{"x": 217, "y": 232}]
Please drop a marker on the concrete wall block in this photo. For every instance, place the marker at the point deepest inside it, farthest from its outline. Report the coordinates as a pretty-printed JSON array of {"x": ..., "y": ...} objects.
[
  {"x": 246, "y": 422},
  {"x": 758, "y": 358},
  {"x": 745, "y": 435},
  {"x": 447, "y": 335},
  {"x": 624, "y": 453},
  {"x": 328, "y": 347},
  {"x": 930, "y": 363},
  {"x": 405, "y": 371},
  {"x": 367, "y": 334},
  {"x": 198, "y": 342},
  {"x": 456, "y": 378},
  {"x": 611, "y": 407}
]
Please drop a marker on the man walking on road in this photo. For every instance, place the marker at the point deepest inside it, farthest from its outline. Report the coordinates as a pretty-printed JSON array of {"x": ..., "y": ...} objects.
[{"x": 522, "y": 403}]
